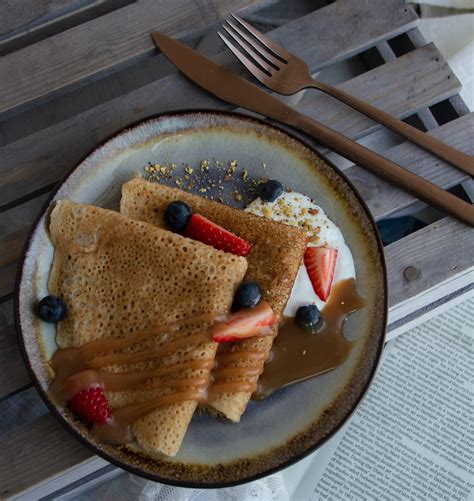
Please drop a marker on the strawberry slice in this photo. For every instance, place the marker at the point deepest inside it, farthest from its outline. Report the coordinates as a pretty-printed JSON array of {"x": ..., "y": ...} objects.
[
  {"x": 245, "y": 323},
  {"x": 207, "y": 232},
  {"x": 320, "y": 263},
  {"x": 91, "y": 404}
]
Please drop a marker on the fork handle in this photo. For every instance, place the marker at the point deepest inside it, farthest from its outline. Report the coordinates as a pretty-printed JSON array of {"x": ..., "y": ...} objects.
[
  {"x": 386, "y": 169},
  {"x": 425, "y": 141}
]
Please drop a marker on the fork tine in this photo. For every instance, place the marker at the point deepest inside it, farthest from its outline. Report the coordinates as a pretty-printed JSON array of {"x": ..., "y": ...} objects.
[
  {"x": 248, "y": 63},
  {"x": 264, "y": 52},
  {"x": 242, "y": 44},
  {"x": 276, "y": 49}
]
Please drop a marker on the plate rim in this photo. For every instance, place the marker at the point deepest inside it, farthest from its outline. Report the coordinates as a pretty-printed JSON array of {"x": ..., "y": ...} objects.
[{"x": 128, "y": 467}]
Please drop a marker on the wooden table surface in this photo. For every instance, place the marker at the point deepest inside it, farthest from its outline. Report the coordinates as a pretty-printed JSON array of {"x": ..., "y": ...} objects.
[{"x": 73, "y": 72}]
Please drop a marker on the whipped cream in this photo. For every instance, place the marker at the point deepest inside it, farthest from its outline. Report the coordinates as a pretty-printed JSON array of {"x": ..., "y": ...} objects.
[{"x": 299, "y": 210}]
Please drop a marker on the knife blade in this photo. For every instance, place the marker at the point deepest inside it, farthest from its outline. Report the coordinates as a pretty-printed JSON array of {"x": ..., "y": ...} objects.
[
  {"x": 222, "y": 82},
  {"x": 234, "y": 89}
]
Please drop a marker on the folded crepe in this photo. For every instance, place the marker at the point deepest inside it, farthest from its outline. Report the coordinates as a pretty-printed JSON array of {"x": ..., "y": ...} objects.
[
  {"x": 121, "y": 278},
  {"x": 276, "y": 254}
]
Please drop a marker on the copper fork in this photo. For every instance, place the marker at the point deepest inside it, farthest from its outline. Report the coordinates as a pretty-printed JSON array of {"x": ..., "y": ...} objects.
[{"x": 287, "y": 74}]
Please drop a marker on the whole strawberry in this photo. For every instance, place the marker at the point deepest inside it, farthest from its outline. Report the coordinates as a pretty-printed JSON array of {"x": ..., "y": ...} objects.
[
  {"x": 202, "y": 229},
  {"x": 91, "y": 405}
]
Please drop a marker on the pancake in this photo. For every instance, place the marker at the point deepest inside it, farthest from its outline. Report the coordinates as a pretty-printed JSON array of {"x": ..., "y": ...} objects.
[
  {"x": 277, "y": 251},
  {"x": 120, "y": 278}
]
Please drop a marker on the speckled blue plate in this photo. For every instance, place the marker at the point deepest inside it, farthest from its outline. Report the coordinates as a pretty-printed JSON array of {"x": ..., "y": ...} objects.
[{"x": 284, "y": 428}]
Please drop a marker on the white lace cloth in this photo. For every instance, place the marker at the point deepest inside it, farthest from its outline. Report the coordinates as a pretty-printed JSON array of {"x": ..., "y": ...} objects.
[{"x": 131, "y": 487}]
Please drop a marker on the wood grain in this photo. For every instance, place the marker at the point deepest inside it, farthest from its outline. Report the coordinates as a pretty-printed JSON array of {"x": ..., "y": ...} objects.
[
  {"x": 110, "y": 41},
  {"x": 14, "y": 227},
  {"x": 20, "y": 15},
  {"x": 429, "y": 250},
  {"x": 36, "y": 451},
  {"x": 437, "y": 252},
  {"x": 13, "y": 374},
  {"x": 55, "y": 150},
  {"x": 384, "y": 199},
  {"x": 401, "y": 87},
  {"x": 24, "y": 22}
]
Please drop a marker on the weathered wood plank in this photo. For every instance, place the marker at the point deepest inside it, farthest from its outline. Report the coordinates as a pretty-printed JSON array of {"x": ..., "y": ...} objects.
[
  {"x": 434, "y": 254},
  {"x": 42, "y": 158},
  {"x": 425, "y": 115},
  {"x": 107, "y": 42},
  {"x": 384, "y": 199},
  {"x": 24, "y": 22},
  {"x": 20, "y": 15},
  {"x": 418, "y": 40},
  {"x": 13, "y": 374},
  {"x": 36, "y": 451},
  {"x": 341, "y": 29},
  {"x": 14, "y": 226},
  {"x": 401, "y": 87},
  {"x": 429, "y": 251}
]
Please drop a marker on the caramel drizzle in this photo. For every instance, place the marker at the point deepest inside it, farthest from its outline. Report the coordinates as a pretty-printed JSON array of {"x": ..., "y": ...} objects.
[
  {"x": 76, "y": 368},
  {"x": 232, "y": 371}
]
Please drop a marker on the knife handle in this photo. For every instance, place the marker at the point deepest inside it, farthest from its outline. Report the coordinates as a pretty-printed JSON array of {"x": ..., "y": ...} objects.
[{"x": 387, "y": 170}]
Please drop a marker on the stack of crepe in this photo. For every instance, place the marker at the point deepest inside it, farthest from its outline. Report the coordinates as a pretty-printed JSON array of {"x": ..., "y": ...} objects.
[
  {"x": 121, "y": 277},
  {"x": 273, "y": 262}
]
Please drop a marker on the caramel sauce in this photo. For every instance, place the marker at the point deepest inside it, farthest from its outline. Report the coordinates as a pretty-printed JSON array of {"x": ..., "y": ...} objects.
[
  {"x": 69, "y": 361},
  {"x": 296, "y": 355}
]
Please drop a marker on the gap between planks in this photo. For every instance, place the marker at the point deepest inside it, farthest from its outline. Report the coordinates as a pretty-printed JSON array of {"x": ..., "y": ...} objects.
[{"x": 429, "y": 251}]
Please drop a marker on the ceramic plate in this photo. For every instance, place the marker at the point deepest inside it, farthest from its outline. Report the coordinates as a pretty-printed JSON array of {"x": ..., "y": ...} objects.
[{"x": 291, "y": 423}]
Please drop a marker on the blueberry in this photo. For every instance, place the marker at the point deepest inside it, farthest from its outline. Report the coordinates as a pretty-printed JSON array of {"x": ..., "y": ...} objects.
[
  {"x": 52, "y": 309},
  {"x": 247, "y": 295},
  {"x": 271, "y": 190},
  {"x": 177, "y": 215},
  {"x": 308, "y": 317}
]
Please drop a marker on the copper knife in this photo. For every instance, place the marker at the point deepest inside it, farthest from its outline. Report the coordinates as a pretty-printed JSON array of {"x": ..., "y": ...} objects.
[{"x": 234, "y": 89}]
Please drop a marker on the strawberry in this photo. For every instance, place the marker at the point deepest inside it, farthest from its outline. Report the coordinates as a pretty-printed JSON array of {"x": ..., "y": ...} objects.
[
  {"x": 91, "y": 404},
  {"x": 200, "y": 228},
  {"x": 247, "y": 322},
  {"x": 320, "y": 263}
]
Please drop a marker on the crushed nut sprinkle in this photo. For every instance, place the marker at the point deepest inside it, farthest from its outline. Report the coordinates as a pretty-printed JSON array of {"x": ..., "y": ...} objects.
[
  {"x": 287, "y": 211},
  {"x": 207, "y": 177},
  {"x": 267, "y": 212}
]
